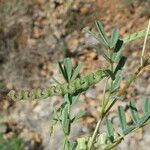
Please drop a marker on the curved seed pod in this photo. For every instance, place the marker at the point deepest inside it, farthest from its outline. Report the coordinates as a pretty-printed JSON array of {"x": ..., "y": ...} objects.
[{"x": 74, "y": 86}]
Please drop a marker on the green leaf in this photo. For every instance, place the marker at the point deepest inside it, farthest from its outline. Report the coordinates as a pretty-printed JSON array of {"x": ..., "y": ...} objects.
[
  {"x": 66, "y": 99},
  {"x": 114, "y": 38},
  {"x": 92, "y": 34},
  {"x": 134, "y": 113},
  {"x": 144, "y": 119},
  {"x": 72, "y": 145},
  {"x": 76, "y": 71},
  {"x": 100, "y": 52},
  {"x": 55, "y": 80},
  {"x": 68, "y": 67},
  {"x": 147, "y": 105},
  {"x": 117, "y": 81},
  {"x": 117, "y": 54},
  {"x": 62, "y": 71},
  {"x": 75, "y": 98},
  {"x": 122, "y": 118},
  {"x": 65, "y": 120},
  {"x": 110, "y": 130},
  {"x": 110, "y": 73},
  {"x": 79, "y": 115},
  {"x": 120, "y": 64},
  {"x": 102, "y": 33}
]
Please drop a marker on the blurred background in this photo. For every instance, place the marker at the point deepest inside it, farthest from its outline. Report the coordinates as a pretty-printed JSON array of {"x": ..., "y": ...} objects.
[{"x": 34, "y": 36}]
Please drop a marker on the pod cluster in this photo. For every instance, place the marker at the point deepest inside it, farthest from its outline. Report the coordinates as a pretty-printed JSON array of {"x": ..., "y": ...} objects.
[{"x": 78, "y": 85}]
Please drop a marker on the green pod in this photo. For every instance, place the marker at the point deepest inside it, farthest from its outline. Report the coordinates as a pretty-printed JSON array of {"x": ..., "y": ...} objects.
[
  {"x": 77, "y": 85},
  {"x": 25, "y": 94},
  {"x": 44, "y": 93}
]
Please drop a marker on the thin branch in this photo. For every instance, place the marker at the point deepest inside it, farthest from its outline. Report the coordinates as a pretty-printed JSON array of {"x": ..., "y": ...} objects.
[{"x": 144, "y": 45}]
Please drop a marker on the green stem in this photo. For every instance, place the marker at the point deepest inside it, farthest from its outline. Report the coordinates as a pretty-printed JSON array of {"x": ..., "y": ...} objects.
[
  {"x": 144, "y": 45},
  {"x": 104, "y": 103},
  {"x": 111, "y": 84},
  {"x": 94, "y": 134},
  {"x": 65, "y": 142}
]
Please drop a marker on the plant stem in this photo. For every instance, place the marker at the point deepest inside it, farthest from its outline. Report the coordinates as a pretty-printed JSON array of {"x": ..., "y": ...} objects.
[
  {"x": 144, "y": 45},
  {"x": 94, "y": 134},
  {"x": 104, "y": 102},
  {"x": 65, "y": 142},
  {"x": 104, "y": 96},
  {"x": 111, "y": 84}
]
